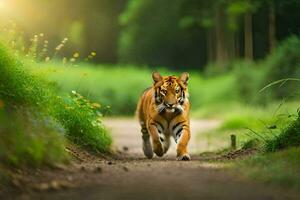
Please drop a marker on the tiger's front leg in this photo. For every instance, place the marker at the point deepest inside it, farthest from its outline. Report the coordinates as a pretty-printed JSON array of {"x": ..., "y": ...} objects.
[
  {"x": 155, "y": 133},
  {"x": 182, "y": 138}
]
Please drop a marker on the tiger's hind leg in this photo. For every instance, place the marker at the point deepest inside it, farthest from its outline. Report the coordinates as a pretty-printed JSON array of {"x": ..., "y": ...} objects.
[{"x": 147, "y": 147}]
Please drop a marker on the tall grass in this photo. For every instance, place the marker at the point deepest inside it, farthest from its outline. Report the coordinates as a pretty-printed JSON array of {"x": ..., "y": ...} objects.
[
  {"x": 20, "y": 87},
  {"x": 30, "y": 138}
]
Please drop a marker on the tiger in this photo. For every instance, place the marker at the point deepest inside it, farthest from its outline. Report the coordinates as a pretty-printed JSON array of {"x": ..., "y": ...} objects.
[{"x": 163, "y": 112}]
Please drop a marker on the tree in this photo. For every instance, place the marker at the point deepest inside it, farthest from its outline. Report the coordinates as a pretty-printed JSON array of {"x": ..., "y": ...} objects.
[
  {"x": 272, "y": 26},
  {"x": 152, "y": 35}
]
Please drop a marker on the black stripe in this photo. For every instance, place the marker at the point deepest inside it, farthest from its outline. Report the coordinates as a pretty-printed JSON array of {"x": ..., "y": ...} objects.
[
  {"x": 157, "y": 97},
  {"x": 178, "y": 132},
  {"x": 159, "y": 124},
  {"x": 173, "y": 128},
  {"x": 182, "y": 98},
  {"x": 161, "y": 139}
]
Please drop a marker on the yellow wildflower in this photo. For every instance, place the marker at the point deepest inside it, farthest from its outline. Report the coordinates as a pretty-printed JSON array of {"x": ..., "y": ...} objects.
[{"x": 76, "y": 55}]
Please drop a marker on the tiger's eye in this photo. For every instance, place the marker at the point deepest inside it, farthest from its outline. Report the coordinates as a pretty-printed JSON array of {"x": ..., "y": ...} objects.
[{"x": 164, "y": 91}]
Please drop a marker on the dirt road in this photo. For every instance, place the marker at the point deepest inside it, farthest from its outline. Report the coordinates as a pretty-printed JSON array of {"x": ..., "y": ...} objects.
[
  {"x": 131, "y": 176},
  {"x": 126, "y": 134}
]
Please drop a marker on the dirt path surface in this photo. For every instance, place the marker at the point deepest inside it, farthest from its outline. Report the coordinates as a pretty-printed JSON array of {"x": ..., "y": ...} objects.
[{"x": 131, "y": 176}]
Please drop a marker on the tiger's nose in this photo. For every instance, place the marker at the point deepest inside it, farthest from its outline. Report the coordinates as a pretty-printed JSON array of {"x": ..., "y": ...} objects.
[{"x": 169, "y": 105}]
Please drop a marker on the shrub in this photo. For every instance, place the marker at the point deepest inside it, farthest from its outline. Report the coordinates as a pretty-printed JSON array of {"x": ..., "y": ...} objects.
[
  {"x": 289, "y": 137},
  {"x": 247, "y": 77},
  {"x": 29, "y": 138},
  {"x": 20, "y": 87},
  {"x": 82, "y": 121},
  {"x": 283, "y": 63}
]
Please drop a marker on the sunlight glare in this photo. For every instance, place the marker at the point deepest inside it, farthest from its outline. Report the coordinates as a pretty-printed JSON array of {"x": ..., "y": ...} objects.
[
  {"x": 4, "y": 7},
  {"x": 2, "y": 4}
]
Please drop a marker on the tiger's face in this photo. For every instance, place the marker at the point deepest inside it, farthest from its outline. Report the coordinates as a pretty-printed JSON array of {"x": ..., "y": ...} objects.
[{"x": 170, "y": 92}]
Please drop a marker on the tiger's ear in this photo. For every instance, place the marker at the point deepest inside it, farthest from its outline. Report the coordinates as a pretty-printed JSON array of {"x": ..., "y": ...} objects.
[
  {"x": 184, "y": 77},
  {"x": 156, "y": 77}
]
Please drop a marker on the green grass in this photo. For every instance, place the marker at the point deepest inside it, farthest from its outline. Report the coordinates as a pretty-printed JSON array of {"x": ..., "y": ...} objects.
[
  {"x": 29, "y": 138},
  {"x": 117, "y": 87},
  {"x": 121, "y": 86},
  {"x": 288, "y": 137},
  {"x": 248, "y": 123},
  {"x": 34, "y": 136},
  {"x": 278, "y": 169}
]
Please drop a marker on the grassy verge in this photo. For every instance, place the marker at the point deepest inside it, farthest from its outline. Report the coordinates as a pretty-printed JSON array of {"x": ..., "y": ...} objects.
[
  {"x": 277, "y": 169},
  {"x": 248, "y": 122},
  {"x": 34, "y": 118},
  {"x": 277, "y": 139}
]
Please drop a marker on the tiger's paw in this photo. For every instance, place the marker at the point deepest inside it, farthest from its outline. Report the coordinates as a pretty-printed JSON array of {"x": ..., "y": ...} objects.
[
  {"x": 158, "y": 150},
  {"x": 147, "y": 149},
  {"x": 148, "y": 153},
  {"x": 184, "y": 157}
]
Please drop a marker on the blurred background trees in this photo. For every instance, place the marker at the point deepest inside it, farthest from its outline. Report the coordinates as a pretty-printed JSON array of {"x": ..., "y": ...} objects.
[{"x": 175, "y": 34}]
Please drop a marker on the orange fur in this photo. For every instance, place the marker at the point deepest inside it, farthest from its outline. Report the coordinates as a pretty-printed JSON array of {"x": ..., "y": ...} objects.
[{"x": 163, "y": 112}]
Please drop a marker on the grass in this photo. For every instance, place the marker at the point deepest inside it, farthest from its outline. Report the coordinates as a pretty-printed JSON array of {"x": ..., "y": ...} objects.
[
  {"x": 248, "y": 123},
  {"x": 121, "y": 86},
  {"x": 29, "y": 138},
  {"x": 278, "y": 169},
  {"x": 288, "y": 137},
  {"x": 34, "y": 117},
  {"x": 116, "y": 87}
]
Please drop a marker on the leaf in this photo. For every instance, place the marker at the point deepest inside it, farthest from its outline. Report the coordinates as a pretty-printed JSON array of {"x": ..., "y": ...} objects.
[{"x": 283, "y": 81}]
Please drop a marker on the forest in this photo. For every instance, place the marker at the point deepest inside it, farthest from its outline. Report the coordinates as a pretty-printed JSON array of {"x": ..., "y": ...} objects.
[{"x": 72, "y": 73}]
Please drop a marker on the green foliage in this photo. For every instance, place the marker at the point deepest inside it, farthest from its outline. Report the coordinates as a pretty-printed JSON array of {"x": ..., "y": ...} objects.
[
  {"x": 29, "y": 138},
  {"x": 253, "y": 125},
  {"x": 121, "y": 86},
  {"x": 162, "y": 41},
  {"x": 235, "y": 10},
  {"x": 277, "y": 169},
  {"x": 248, "y": 81},
  {"x": 239, "y": 122},
  {"x": 20, "y": 86},
  {"x": 284, "y": 63},
  {"x": 289, "y": 137},
  {"x": 82, "y": 121},
  {"x": 251, "y": 144},
  {"x": 118, "y": 87}
]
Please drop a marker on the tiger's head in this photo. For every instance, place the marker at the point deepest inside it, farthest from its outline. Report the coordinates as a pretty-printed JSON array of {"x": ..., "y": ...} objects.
[{"x": 170, "y": 92}]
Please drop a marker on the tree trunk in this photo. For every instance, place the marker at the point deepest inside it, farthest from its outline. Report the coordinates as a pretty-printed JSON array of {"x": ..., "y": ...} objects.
[
  {"x": 210, "y": 46},
  {"x": 230, "y": 44},
  {"x": 237, "y": 52},
  {"x": 221, "y": 51},
  {"x": 272, "y": 27},
  {"x": 248, "y": 36}
]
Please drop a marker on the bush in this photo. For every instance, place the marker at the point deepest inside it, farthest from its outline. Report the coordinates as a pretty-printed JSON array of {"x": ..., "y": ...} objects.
[
  {"x": 248, "y": 81},
  {"x": 289, "y": 137},
  {"x": 82, "y": 121},
  {"x": 29, "y": 138},
  {"x": 283, "y": 63},
  {"x": 20, "y": 87}
]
